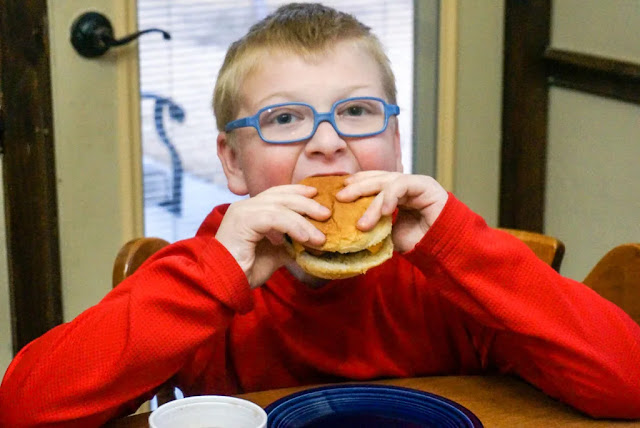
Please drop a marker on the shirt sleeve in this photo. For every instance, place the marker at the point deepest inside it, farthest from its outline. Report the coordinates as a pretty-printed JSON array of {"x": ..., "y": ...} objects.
[
  {"x": 113, "y": 356},
  {"x": 528, "y": 320}
]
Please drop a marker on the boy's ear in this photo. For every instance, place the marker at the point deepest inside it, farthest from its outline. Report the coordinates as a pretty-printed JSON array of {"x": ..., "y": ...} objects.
[
  {"x": 398, "y": 148},
  {"x": 232, "y": 165}
]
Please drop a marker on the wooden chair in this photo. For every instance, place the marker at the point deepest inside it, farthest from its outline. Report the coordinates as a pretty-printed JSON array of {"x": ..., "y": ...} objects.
[
  {"x": 547, "y": 248},
  {"x": 132, "y": 255},
  {"x": 616, "y": 277},
  {"x": 129, "y": 258},
  {"x": 136, "y": 251}
]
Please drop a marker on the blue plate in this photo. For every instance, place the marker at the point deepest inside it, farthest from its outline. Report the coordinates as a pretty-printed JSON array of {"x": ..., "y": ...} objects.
[{"x": 370, "y": 406}]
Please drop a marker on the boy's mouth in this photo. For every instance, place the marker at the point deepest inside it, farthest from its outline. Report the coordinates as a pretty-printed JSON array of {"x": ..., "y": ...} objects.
[{"x": 323, "y": 174}]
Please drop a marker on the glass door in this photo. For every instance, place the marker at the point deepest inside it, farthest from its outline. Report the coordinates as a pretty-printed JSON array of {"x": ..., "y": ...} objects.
[{"x": 183, "y": 179}]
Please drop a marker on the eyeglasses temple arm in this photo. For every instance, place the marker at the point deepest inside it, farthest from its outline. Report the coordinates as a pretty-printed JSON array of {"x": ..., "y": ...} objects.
[
  {"x": 240, "y": 123},
  {"x": 392, "y": 109}
]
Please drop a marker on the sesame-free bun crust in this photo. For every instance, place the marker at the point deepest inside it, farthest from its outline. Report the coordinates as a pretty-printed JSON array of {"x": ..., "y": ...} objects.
[
  {"x": 342, "y": 234},
  {"x": 341, "y": 265},
  {"x": 346, "y": 246}
]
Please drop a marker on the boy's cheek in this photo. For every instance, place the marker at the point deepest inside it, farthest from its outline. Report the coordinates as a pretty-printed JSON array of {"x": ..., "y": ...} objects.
[
  {"x": 270, "y": 171},
  {"x": 376, "y": 158},
  {"x": 267, "y": 179}
]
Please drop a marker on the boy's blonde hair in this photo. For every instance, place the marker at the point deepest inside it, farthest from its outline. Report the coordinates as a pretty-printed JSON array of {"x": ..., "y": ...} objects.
[{"x": 305, "y": 29}]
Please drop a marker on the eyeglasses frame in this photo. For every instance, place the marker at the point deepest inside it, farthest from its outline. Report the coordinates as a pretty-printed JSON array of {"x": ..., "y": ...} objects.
[{"x": 318, "y": 118}]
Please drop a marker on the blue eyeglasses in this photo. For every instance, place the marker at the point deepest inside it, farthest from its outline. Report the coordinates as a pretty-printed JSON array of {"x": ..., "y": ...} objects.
[{"x": 292, "y": 122}]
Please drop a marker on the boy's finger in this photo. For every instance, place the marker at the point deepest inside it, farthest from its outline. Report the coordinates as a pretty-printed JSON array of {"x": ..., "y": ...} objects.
[
  {"x": 361, "y": 175},
  {"x": 291, "y": 188},
  {"x": 365, "y": 186},
  {"x": 276, "y": 238},
  {"x": 284, "y": 221},
  {"x": 408, "y": 191},
  {"x": 372, "y": 215},
  {"x": 307, "y": 207},
  {"x": 298, "y": 203}
]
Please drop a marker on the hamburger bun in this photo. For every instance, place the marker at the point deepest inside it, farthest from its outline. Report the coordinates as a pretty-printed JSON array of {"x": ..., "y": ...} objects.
[{"x": 347, "y": 250}]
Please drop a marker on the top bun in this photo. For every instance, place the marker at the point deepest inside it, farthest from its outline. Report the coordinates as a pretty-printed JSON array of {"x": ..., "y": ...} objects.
[{"x": 340, "y": 229}]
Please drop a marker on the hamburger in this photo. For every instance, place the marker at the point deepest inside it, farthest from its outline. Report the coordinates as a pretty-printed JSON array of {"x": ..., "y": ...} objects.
[{"x": 347, "y": 250}]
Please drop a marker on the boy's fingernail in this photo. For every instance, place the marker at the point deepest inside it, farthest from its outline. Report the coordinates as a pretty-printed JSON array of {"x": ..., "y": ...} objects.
[
  {"x": 304, "y": 236},
  {"x": 343, "y": 194}
]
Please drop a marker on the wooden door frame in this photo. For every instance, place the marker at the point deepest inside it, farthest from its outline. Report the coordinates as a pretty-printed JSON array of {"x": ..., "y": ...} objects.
[
  {"x": 524, "y": 114},
  {"x": 531, "y": 67},
  {"x": 29, "y": 173}
]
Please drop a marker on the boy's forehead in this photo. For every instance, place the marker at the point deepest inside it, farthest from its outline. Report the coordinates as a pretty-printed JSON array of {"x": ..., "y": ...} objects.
[{"x": 282, "y": 75}]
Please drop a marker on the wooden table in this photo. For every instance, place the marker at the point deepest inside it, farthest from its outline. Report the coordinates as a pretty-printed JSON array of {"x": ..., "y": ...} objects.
[{"x": 498, "y": 401}]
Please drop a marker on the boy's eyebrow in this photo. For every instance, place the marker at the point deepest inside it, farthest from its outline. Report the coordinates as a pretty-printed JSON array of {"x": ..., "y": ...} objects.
[
  {"x": 275, "y": 98},
  {"x": 285, "y": 96}
]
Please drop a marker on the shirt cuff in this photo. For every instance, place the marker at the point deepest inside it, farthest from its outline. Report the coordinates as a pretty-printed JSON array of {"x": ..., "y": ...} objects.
[{"x": 446, "y": 233}]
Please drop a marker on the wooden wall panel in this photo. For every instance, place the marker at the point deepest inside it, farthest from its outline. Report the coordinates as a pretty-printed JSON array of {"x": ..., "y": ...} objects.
[
  {"x": 29, "y": 170},
  {"x": 530, "y": 68}
]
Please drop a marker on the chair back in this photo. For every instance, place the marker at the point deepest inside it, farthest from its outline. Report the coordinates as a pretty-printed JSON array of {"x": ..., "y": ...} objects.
[
  {"x": 129, "y": 258},
  {"x": 132, "y": 255},
  {"x": 616, "y": 277},
  {"x": 547, "y": 248}
]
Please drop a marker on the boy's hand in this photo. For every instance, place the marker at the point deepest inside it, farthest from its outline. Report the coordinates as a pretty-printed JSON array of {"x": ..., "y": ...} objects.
[
  {"x": 271, "y": 214},
  {"x": 419, "y": 199}
]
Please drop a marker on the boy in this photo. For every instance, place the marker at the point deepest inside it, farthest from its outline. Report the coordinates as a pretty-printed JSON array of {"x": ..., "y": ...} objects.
[{"x": 227, "y": 311}]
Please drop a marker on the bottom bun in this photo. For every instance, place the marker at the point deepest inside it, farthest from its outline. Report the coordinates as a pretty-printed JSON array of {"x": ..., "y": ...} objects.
[{"x": 339, "y": 265}]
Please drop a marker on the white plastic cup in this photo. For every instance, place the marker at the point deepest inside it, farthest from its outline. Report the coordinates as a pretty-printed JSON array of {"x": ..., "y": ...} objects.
[{"x": 209, "y": 411}]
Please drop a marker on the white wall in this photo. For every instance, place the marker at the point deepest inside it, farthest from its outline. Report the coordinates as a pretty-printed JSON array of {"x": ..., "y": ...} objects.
[
  {"x": 593, "y": 178},
  {"x": 606, "y": 28},
  {"x": 5, "y": 313},
  {"x": 593, "y": 192},
  {"x": 97, "y": 144},
  {"x": 479, "y": 106}
]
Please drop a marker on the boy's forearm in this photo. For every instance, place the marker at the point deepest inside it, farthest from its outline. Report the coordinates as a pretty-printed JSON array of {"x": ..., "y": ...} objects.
[
  {"x": 113, "y": 356},
  {"x": 552, "y": 331}
]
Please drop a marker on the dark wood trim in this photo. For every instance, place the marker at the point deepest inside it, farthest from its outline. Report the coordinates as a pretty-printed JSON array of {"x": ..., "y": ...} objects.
[
  {"x": 524, "y": 115},
  {"x": 606, "y": 77},
  {"x": 29, "y": 170}
]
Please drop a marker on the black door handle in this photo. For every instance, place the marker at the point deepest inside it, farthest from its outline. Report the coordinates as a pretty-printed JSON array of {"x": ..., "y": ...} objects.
[{"x": 92, "y": 35}]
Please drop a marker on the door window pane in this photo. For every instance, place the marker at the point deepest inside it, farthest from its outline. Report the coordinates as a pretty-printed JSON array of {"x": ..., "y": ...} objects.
[{"x": 183, "y": 179}]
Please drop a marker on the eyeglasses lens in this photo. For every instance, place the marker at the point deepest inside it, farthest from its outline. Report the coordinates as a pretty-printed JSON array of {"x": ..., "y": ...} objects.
[
  {"x": 359, "y": 117},
  {"x": 294, "y": 122},
  {"x": 286, "y": 123}
]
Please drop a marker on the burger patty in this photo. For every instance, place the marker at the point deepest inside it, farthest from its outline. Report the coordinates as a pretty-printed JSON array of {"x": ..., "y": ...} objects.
[
  {"x": 329, "y": 255},
  {"x": 373, "y": 249}
]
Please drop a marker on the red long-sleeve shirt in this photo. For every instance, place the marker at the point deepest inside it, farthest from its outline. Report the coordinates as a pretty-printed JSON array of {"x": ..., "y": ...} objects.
[{"x": 467, "y": 299}]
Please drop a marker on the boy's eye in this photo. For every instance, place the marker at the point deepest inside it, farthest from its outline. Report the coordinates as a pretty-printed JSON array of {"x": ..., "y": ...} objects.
[
  {"x": 284, "y": 118},
  {"x": 355, "y": 111},
  {"x": 288, "y": 115}
]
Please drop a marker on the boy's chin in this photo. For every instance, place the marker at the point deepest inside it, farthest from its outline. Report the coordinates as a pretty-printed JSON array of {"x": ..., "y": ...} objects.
[{"x": 302, "y": 276}]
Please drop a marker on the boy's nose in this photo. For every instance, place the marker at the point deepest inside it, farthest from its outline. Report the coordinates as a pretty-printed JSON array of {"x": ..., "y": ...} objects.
[{"x": 325, "y": 141}]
